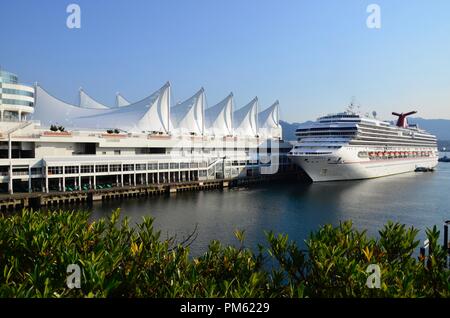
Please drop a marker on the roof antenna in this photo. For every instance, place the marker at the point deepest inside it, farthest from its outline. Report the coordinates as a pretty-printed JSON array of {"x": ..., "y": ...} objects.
[{"x": 351, "y": 108}]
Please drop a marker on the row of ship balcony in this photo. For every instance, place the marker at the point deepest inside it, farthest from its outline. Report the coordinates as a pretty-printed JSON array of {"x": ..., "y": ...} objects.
[{"x": 395, "y": 154}]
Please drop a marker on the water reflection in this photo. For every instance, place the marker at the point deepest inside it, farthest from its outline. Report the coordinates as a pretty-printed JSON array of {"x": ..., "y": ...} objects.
[{"x": 419, "y": 199}]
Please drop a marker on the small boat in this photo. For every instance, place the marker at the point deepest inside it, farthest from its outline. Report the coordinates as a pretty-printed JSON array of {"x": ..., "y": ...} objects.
[
  {"x": 444, "y": 159},
  {"x": 423, "y": 169}
]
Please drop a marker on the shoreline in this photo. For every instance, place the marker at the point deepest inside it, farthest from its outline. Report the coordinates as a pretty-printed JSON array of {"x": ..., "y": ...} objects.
[{"x": 36, "y": 200}]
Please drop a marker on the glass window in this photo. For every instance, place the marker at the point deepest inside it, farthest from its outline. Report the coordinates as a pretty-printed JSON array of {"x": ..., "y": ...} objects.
[
  {"x": 115, "y": 168},
  {"x": 101, "y": 168},
  {"x": 55, "y": 170},
  {"x": 128, "y": 167},
  {"x": 7, "y": 77},
  {"x": 87, "y": 169},
  {"x": 163, "y": 166},
  {"x": 17, "y": 92},
  {"x": 71, "y": 169},
  {"x": 17, "y": 102},
  {"x": 36, "y": 170},
  {"x": 141, "y": 166},
  {"x": 10, "y": 115}
]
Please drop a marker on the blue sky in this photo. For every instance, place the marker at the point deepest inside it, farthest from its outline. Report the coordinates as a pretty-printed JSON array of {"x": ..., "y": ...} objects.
[{"x": 311, "y": 55}]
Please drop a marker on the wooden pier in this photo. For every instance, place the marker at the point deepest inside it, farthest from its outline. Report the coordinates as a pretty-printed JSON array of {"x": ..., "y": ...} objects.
[{"x": 54, "y": 199}]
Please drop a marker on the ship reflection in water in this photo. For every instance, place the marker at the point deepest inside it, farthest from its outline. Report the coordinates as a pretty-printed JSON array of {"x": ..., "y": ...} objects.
[{"x": 416, "y": 199}]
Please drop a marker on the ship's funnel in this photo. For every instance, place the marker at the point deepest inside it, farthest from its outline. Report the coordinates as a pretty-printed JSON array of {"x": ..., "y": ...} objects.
[{"x": 402, "y": 122}]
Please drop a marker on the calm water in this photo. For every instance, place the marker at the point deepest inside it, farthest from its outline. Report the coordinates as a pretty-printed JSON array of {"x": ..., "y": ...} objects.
[{"x": 418, "y": 199}]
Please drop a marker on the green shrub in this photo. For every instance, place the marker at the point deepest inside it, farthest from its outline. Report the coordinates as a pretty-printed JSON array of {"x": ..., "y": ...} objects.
[{"x": 118, "y": 260}]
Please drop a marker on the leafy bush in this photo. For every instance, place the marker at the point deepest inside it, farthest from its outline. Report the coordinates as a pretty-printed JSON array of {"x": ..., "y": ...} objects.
[
  {"x": 337, "y": 259},
  {"x": 122, "y": 261}
]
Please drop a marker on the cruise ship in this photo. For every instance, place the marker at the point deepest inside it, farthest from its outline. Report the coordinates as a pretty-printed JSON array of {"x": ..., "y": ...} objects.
[
  {"x": 48, "y": 145},
  {"x": 350, "y": 146}
]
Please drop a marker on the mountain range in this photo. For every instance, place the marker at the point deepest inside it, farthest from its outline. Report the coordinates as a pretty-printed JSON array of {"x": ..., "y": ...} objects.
[{"x": 438, "y": 127}]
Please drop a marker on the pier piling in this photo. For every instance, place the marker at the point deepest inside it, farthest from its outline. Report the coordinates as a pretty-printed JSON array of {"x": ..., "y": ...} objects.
[{"x": 52, "y": 199}]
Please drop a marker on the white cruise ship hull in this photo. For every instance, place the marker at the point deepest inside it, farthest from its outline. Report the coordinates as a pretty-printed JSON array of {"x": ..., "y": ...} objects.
[
  {"x": 321, "y": 169},
  {"x": 348, "y": 146}
]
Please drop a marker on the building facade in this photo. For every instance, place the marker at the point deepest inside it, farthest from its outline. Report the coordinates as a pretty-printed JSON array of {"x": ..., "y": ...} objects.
[
  {"x": 16, "y": 100},
  {"x": 49, "y": 145}
]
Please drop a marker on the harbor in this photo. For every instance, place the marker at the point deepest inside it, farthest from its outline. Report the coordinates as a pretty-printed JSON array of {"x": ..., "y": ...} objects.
[
  {"x": 291, "y": 207},
  {"x": 220, "y": 157},
  {"x": 35, "y": 201}
]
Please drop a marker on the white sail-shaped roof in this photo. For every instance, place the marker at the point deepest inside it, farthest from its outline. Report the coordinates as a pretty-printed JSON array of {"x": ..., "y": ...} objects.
[
  {"x": 121, "y": 101},
  {"x": 188, "y": 116},
  {"x": 245, "y": 120},
  {"x": 218, "y": 118},
  {"x": 149, "y": 114},
  {"x": 87, "y": 101},
  {"x": 268, "y": 121},
  {"x": 50, "y": 110}
]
